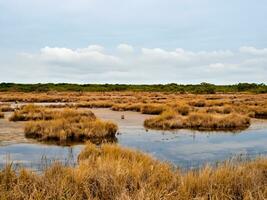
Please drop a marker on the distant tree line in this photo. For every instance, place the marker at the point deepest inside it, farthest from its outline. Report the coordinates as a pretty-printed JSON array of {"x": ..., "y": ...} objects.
[{"x": 202, "y": 88}]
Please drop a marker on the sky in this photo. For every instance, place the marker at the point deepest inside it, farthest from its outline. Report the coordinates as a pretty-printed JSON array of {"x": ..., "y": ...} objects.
[{"x": 133, "y": 41}]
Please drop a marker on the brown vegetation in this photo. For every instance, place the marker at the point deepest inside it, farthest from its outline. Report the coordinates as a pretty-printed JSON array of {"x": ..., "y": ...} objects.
[
  {"x": 32, "y": 112},
  {"x": 67, "y": 125},
  {"x": 182, "y": 109},
  {"x": 199, "y": 103},
  {"x": 152, "y": 109},
  {"x": 94, "y": 104},
  {"x": 218, "y": 108},
  {"x": 199, "y": 121},
  {"x": 70, "y": 125},
  {"x": 111, "y": 172},
  {"x": 6, "y": 108},
  {"x": 127, "y": 107},
  {"x": 259, "y": 112},
  {"x": 2, "y": 115}
]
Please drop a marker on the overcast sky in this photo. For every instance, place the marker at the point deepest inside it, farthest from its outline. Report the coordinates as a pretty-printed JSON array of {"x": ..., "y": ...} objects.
[{"x": 133, "y": 41}]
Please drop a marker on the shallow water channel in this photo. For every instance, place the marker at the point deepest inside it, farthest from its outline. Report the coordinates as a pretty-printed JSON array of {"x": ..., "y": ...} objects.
[{"x": 184, "y": 148}]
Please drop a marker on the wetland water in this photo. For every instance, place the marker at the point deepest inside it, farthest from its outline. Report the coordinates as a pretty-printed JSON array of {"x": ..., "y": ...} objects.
[{"x": 185, "y": 148}]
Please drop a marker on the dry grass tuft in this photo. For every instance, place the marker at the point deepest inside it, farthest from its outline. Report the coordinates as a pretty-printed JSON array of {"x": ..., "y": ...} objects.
[
  {"x": 199, "y": 121},
  {"x": 219, "y": 110},
  {"x": 152, "y": 109},
  {"x": 95, "y": 104},
  {"x": 182, "y": 109},
  {"x": 197, "y": 103},
  {"x": 127, "y": 107},
  {"x": 6, "y": 108},
  {"x": 32, "y": 112},
  {"x": 112, "y": 172},
  {"x": 259, "y": 112},
  {"x": 71, "y": 125}
]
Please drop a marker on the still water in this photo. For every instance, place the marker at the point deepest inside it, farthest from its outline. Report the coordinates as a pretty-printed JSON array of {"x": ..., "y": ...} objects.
[{"x": 184, "y": 148}]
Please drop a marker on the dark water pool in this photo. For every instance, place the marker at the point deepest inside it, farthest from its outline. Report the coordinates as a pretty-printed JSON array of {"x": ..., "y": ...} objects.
[{"x": 185, "y": 148}]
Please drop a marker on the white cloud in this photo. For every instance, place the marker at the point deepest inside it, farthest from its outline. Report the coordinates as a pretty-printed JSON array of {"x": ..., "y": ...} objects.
[
  {"x": 145, "y": 65},
  {"x": 91, "y": 58},
  {"x": 94, "y": 47},
  {"x": 125, "y": 48},
  {"x": 181, "y": 55},
  {"x": 253, "y": 51}
]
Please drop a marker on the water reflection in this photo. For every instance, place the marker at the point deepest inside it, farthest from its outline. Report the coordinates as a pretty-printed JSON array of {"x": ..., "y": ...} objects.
[
  {"x": 187, "y": 148},
  {"x": 38, "y": 156},
  {"x": 97, "y": 141}
]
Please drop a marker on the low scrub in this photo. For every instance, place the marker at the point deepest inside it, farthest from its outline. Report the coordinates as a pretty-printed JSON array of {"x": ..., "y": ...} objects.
[
  {"x": 259, "y": 112},
  {"x": 182, "y": 109},
  {"x": 32, "y": 112},
  {"x": 112, "y": 172},
  {"x": 152, "y": 109},
  {"x": 198, "y": 121},
  {"x": 61, "y": 105},
  {"x": 220, "y": 110},
  {"x": 6, "y": 108},
  {"x": 198, "y": 103},
  {"x": 95, "y": 104},
  {"x": 71, "y": 126},
  {"x": 127, "y": 107}
]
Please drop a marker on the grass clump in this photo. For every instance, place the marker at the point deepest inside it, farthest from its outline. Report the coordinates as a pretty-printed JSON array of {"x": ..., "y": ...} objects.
[
  {"x": 182, "y": 109},
  {"x": 71, "y": 126},
  {"x": 112, "y": 172},
  {"x": 125, "y": 173},
  {"x": 219, "y": 110},
  {"x": 152, "y": 109},
  {"x": 167, "y": 120},
  {"x": 32, "y": 112},
  {"x": 198, "y": 121},
  {"x": 259, "y": 112},
  {"x": 217, "y": 122},
  {"x": 127, "y": 107},
  {"x": 95, "y": 104},
  {"x": 6, "y": 108},
  {"x": 198, "y": 103}
]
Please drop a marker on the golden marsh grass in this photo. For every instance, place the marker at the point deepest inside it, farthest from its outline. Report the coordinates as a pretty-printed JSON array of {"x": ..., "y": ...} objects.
[
  {"x": 32, "y": 112},
  {"x": 6, "y": 108},
  {"x": 70, "y": 125},
  {"x": 218, "y": 108},
  {"x": 199, "y": 121},
  {"x": 112, "y": 172}
]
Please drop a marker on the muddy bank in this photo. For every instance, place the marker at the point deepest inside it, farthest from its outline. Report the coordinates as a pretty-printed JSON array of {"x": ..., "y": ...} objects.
[{"x": 11, "y": 132}]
